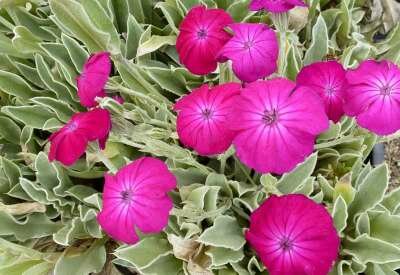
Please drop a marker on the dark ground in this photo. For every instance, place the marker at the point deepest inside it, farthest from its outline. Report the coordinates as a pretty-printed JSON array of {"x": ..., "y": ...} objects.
[{"x": 392, "y": 156}]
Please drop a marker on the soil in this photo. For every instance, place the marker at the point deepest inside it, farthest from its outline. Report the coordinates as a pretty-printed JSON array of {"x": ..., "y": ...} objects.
[{"x": 392, "y": 155}]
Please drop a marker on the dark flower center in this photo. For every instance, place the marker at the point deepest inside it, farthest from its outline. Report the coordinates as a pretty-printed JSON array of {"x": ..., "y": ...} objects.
[
  {"x": 330, "y": 90},
  {"x": 206, "y": 113},
  {"x": 72, "y": 126},
  {"x": 126, "y": 196},
  {"x": 285, "y": 244},
  {"x": 270, "y": 116},
  {"x": 201, "y": 33},
  {"x": 386, "y": 90},
  {"x": 247, "y": 45}
]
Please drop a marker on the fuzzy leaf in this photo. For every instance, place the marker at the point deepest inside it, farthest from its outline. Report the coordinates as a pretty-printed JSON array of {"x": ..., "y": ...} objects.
[
  {"x": 385, "y": 226},
  {"x": 33, "y": 116},
  {"x": 146, "y": 252},
  {"x": 392, "y": 200},
  {"x": 364, "y": 248},
  {"x": 163, "y": 265},
  {"x": 35, "y": 225},
  {"x": 225, "y": 233},
  {"x": 14, "y": 85},
  {"x": 339, "y": 213},
  {"x": 9, "y": 130},
  {"x": 371, "y": 191},
  {"x": 319, "y": 45},
  {"x": 92, "y": 260},
  {"x": 74, "y": 18},
  {"x": 76, "y": 52},
  {"x": 221, "y": 256},
  {"x": 154, "y": 43},
  {"x": 135, "y": 31},
  {"x": 290, "y": 181},
  {"x": 100, "y": 19}
]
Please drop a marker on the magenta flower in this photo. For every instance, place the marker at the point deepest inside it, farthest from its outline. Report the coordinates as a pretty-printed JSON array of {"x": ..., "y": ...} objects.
[
  {"x": 201, "y": 37},
  {"x": 373, "y": 96},
  {"x": 93, "y": 79},
  {"x": 293, "y": 235},
  {"x": 136, "y": 198},
  {"x": 328, "y": 80},
  {"x": 202, "y": 118},
  {"x": 253, "y": 51},
  {"x": 275, "y": 6},
  {"x": 276, "y": 125},
  {"x": 69, "y": 143}
]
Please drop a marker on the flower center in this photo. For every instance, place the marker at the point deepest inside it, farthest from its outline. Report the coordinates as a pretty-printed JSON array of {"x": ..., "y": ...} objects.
[
  {"x": 126, "y": 196},
  {"x": 285, "y": 244},
  {"x": 247, "y": 45},
  {"x": 201, "y": 33},
  {"x": 329, "y": 90},
  {"x": 270, "y": 116},
  {"x": 386, "y": 90},
  {"x": 72, "y": 126},
  {"x": 207, "y": 113}
]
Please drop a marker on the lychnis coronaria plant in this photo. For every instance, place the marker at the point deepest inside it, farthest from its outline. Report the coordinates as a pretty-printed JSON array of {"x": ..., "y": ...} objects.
[{"x": 198, "y": 137}]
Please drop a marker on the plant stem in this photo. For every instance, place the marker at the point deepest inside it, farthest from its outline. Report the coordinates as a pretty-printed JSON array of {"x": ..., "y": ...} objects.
[
  {"x": 241, "y": 167},
  {"x": 122, "y": 89},
  {"x": 100, "y": 155}
]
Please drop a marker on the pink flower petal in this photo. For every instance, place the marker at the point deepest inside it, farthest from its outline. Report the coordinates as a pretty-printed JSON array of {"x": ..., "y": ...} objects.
[
  {"x": 275, "y": 6},
  {"x": 69, "y": 143},
  {"x": 118, "y": 224},
  {"x": 253, "y": 51},
  {"x": 328, "y": 80},
  {"x": 382, "y": 117},
  {"x": 67, "y": 147},
  {"x": 93, "y": 79},
  {"x": 97, "y": 125}
]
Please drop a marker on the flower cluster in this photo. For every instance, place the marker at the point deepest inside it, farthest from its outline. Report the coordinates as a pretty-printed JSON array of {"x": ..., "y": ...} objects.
[
  {"x": 274, "y": 117},
  {"x": 203, "y": 42},
  {"x": 136, "y": 197},
  {"x": 272, "y": 124},
  {"x": 262, "y": 118}
]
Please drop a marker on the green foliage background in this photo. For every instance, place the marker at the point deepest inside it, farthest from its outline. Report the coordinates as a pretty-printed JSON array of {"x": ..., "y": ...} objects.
[{"x": 47, "y": 212}]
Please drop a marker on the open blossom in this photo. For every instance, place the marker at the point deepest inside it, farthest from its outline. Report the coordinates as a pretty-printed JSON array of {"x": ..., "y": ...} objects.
[
  {"x": 202, "y": 118},
  {"x": 328, "y": 80},
  {"x": 253, "y": 51},
  {"x": 292, "y": 234},
  {"x": 201, "y": 36},
  {"x": 276, "y": 125},
  {"x": 93, "y": 79},
  {"x": 275, "y": 6},
  {"x": 373, "y": 96},
  {"x": 136, "y": 198},
  {"x": 69, "y": 143}
]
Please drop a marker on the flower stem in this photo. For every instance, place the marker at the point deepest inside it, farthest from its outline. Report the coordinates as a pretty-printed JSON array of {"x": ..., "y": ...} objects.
[
  {"x": 122, "y": 89},
  {"x": 241, "y": 167},
  {"x": 100, "y": 155}
]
